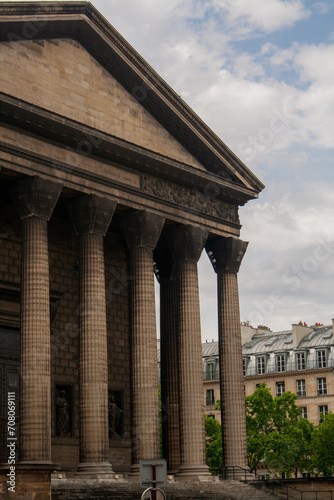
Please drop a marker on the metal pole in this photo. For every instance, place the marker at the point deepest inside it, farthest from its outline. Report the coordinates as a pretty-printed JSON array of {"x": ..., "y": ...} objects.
[{"x": 154, "y": 481}]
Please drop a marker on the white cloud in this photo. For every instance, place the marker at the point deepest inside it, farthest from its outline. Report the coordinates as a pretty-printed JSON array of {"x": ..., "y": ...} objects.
[{"x": 263, "y": 15}]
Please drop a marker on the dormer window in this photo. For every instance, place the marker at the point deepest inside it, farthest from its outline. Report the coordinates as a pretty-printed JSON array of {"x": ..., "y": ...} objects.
[
  {"x": 260, "y": 365},
  {"x": 280, "y": 363},
  {"x": 321, "y": 359},
  {"x": 210, "y": 371},
  {"x": 300, "y": 361}
]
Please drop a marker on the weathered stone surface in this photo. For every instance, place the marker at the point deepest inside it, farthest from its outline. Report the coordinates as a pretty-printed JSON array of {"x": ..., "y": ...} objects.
[
  {"x": 91, "y": 216},
  {"x": 92, "y": 213},
  {"x": 35, "y": 196},
  {"x": 35, "y": 199},
  {"x": 226, "y": 255},
  {"x": 186, "y": 244},
  {"x": 142, "y": 231}
]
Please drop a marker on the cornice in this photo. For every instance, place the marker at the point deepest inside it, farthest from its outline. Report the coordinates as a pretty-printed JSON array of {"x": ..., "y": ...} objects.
[{"x": 296, "y": 373}]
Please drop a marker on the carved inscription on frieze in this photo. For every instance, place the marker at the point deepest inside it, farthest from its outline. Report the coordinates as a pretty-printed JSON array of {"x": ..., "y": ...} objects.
[{"x": 188, "y": 198}]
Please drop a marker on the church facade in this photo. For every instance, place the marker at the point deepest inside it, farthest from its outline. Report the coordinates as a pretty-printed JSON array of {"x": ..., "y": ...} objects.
[{"x": 108, "y": 180}]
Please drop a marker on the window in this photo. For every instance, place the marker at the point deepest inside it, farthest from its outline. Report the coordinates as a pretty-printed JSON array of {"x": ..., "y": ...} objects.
[
  {"x": 260, "y": 365},
  {"x": 321, "y": 359},
  {"x": 210, "y": 371},
  {"x": 323, "y": 410},
  {"x": 304, "y": 412},
  {"x": 300, "y": 361},
  {"x": 301, "y": 388},
  {"x": 244, "y": 366},
  {"x": 280, "y": 388},
  {"x": 322, "y": 386},
  {"x": 280, "y": 363},
  {"x": 210, "y": 397}
]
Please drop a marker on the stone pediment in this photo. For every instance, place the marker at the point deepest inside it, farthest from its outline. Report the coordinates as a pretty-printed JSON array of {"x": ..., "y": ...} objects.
[
  {"x": 62, "y": 77},
  {"x": 80, "y": 68}
]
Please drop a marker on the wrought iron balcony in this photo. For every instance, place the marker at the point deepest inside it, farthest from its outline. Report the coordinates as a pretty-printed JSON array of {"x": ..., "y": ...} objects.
[{"x": 212, "y": 375}]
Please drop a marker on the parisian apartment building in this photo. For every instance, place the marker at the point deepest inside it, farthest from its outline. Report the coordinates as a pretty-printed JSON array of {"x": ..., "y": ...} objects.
[{"x": 300, "y": 360}]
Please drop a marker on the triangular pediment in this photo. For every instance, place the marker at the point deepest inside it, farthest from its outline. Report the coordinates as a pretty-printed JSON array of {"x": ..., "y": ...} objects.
[
  {"x": 63, "y": 78},
  {"x": 78, "y": 66}
]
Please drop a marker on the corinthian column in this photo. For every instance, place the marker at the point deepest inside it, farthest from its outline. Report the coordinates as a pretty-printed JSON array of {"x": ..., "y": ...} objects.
[
  {"x": 226, "y": 255},
  {"x": 35, "y": 199},
  {"x": 169, "y": 359},
  {"x": 91, "y": 216},
  {"x": 141, "y": 231},
  {"x": 186, "y": 244}
]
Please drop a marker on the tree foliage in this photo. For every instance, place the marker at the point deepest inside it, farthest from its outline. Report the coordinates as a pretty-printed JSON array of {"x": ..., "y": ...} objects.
[
  {"x": 323, "y": 446},
  {"x": 213, "y": 440},
  {"x": 276, "y": 436}
]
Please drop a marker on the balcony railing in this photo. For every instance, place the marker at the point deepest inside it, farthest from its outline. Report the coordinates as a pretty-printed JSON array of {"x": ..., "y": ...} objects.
[
  {"x": 214, "y": 375},
  {"x": 270, "y": 368},
  {"x": 290, "y": 366}
]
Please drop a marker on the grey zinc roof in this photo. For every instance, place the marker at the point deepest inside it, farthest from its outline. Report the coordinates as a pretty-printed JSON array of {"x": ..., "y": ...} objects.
[
  {"x": 210, "y": 349},
  {"x": 277, "y": 342},
  {"x": 273, "y": 341}
]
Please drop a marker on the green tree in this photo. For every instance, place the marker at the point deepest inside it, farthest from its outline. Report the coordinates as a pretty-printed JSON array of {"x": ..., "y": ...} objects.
[
  {"x": 213, "y": 440},
  {"x": 275, "y": 435},
  {"x": 290, "y": 451},
  {"x": 323, "y": 446}
]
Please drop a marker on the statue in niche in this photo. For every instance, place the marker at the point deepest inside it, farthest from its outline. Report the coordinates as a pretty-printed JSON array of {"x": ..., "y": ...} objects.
[
  {"x": 115, "y": 414},
  {"x": 63, "y": 414}
]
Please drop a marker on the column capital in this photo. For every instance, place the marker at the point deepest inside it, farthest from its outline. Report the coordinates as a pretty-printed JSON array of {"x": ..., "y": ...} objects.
[
  {"x": 142, "y": 229},
  {"x": 226, "y": 253},
  {"x": 186, "y": 242},
  {"x": 91, "y": 213},
  {"x": 35, "y": 196}
]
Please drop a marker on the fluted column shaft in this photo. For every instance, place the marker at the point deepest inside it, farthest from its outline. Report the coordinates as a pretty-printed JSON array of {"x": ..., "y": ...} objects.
[
  {"x": 232, "y": 394},
  {"x": 186, "y": 244},
  {"x": 169, "y": 364},
  {"x": 35, "y": 199},
  {"x": 190, "y": 367},
  {"x": 94, "y": 442},
  {"x": 91, "y": 216},
  {"x": 227, "y": 254},
  {"x": 35, "y": 413},
  {"x": 145, "y": 396},
  {"x": 141, "y": 231}
]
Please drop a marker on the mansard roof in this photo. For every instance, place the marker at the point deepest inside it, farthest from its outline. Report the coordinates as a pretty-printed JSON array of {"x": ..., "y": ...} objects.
[
  {"x": 81, "y": 22},
  {"x": 277, "y": 342},
  {"x": 283, "y": 341}
]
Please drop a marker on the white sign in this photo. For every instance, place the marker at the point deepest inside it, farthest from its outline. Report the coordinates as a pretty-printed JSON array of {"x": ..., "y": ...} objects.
[{"x": 153, "y": 472}]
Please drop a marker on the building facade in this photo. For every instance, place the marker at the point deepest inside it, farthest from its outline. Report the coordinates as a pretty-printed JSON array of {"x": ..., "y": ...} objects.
[
  {"x": 105, "y": 181},
  {"x": 300, "y": 360}
]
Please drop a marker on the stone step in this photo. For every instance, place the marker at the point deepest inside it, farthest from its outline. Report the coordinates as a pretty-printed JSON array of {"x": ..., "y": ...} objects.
[{"x": 224, "y": 490}]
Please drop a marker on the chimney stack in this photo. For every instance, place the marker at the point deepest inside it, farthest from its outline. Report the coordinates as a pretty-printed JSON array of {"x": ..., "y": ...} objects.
[{"x": 298, "y": 333}]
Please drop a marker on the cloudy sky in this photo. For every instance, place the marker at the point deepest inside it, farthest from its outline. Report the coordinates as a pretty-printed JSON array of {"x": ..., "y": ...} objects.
[{"x": 260, "y": 73}]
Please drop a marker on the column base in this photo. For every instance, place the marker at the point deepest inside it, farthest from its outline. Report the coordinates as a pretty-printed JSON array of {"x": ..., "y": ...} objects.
[
  {"x": 194, "y": 473},
  {"x": 134, "y": 471},
  {"x": 95, "y": 470}
]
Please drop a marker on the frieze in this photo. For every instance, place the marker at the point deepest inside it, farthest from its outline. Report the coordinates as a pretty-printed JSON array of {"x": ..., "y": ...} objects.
[{"x": 190, "y": 199}]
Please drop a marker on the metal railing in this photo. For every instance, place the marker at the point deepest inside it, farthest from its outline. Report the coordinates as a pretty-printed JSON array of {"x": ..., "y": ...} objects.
[
  {"x": 289, "y": 366},
  {"x": 214, "y": 375},
  {"x": 270, "y": 368}
]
